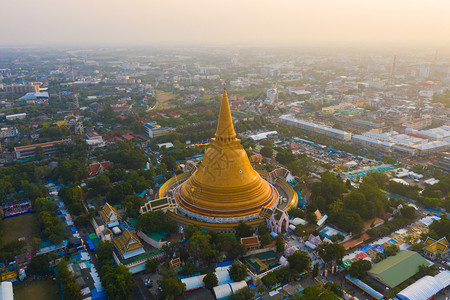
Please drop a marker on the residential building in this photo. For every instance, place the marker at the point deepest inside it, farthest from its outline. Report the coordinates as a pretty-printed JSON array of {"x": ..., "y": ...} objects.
[
  {"x": 442, "y": 162},
  {"x": 153, "y": 130},
  {"x": 19, "y": 88},
  {"x": 8, "y": 132},
  {"x": 25, "y": 152},
  {"x": 418, "y": 124},
  {"x": 272, "y": 95},
  {"x": 21, "y": 116},
  {"x": 318, "y": 129},
  {"x": 207, "y": 70},
  {"x": 93, "y": 139}
]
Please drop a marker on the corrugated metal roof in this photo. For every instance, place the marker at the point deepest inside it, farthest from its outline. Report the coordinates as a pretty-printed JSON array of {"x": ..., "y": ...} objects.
[{"x": 395, "y": 269}]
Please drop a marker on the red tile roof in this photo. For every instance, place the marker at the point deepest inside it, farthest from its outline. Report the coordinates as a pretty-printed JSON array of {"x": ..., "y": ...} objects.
[
  {"x": 128, "y": 137},
  {"x": 95, "y": 169},
  {"x": 250, "y": 242}
]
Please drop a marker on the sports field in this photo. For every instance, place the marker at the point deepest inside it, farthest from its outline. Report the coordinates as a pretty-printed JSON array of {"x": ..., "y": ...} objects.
[
  {"x": 21, "y": 226},
  {"x": 44, "y": 289}
]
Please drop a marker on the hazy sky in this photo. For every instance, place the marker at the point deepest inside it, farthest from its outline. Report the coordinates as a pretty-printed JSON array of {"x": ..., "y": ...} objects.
[{"x": 269, "y": 22}]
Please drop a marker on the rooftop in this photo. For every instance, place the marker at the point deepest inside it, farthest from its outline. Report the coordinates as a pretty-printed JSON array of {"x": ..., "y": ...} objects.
[{"x": 395, "y": 269}]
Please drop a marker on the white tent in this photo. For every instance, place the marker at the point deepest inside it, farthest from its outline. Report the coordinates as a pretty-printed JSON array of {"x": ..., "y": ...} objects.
[
  {"x": 196, "y": 282},
  {"x": 6, "y": 291},
  {"x": 297, "y": 221},
  {"x": 193, "y": 283},
  {"x": 224, "y": 290},
  {"x": 426, "y": 287},
  {"x": 116, "y": 230}
]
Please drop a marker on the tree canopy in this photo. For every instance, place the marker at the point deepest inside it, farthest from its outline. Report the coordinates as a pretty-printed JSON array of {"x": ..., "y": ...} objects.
[
  {"x": 300, "y": 261},
  {"x": 238, "y": 271}
]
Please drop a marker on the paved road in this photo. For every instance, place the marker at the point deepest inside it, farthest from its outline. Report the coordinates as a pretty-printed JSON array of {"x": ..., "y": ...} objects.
[{"x": 141, "y": 292}]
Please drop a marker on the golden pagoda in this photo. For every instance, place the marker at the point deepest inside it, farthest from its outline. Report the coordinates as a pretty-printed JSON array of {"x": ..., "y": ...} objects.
[{"x": 225, "y": 185}]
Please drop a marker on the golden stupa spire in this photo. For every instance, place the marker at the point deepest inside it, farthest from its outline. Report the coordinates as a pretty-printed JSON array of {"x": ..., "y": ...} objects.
[
  {"x": 225, "y": 183},
  {"x": 225, "y": 129}
]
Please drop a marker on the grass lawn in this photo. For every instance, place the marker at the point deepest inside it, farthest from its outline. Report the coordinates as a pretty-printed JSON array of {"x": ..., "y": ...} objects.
[
  {"x": 163, "y": 98},
  {"x": 21, "y": 226},
  {"x": 44, "y": 289}
]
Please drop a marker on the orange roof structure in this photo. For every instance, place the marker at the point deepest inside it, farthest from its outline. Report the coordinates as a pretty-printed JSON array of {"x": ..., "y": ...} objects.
[
  {"x": 97, "y": 168},
  {"x": 250, "y": 242},
  {"x": 128, "y": 245},
  {"x": 37, "y": 145},
  {"x": 109, "y": 214},
  {"x": 176, "y": 262},
  {"x": 433, "y": 246}
]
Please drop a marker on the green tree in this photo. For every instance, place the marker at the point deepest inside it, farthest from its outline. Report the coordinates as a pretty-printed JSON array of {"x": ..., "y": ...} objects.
[
  {"x": 199, "y": 246},
  {"x": 39, "y": 153},
  {"x": 242, "y": 294},
  {"x": 243, "y": 230},
  {"x": 171, "y": 287},
  {"x": 300, "y": 261},
  {"x": 408, "y": 212},
  {"x": 104, "y": 252},
  {"x": 72, "y": 198},
  {"x": 119, "y": 192},
  {"x": 266, "y": 239},
  {"x": 226, "y": 241},
  {"x": 169, "y": 161},
  {"x": 161, "y": 169},
  {"x": 296, "y": 212},
  {"x": 117, "y": 281},
  {"x": 190, "y": 230},
  {"x": 156, "y": 221},
  {"x": 266, "y": 151},
  {"x": 330, "y": 251},
  {"x": 132, "y": 204},
  {"x": 441, "y": 228},
  {"x": 151, "y": 264},
  {"x": 315, "y": 270},
  {"x": 359, "y": 268},
  {"x": 317, "y": 292},
  {"x": 70, "y": 287},
  {"x": 38, "y": 265},
  {"x": 210, "y": 280},
  {"x": 100, "y": 184},
  {"x": 391, "y": 250},
  {"x": 238, "y": 271},
  {"x": 300, "y": 230},
  {"x": 279, "y": 243},
  {"x": 262, "y": 229},
  {"x": 350, "y": 221}
]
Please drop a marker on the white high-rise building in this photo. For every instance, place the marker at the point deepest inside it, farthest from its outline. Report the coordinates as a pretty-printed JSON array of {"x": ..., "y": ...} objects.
[{"x": 272, "y": 95}]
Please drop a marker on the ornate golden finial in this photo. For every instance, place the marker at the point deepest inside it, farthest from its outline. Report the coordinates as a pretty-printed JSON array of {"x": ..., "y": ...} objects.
[{"x": 225, "y": 129}]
